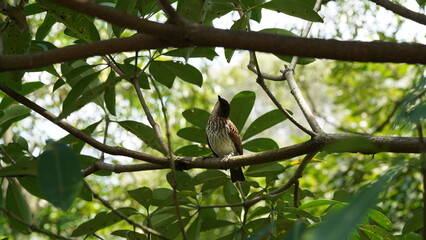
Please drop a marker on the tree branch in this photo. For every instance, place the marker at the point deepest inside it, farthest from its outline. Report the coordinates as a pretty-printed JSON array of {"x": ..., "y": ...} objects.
[
  {"x": 33, "y": 227},
  {"x": 402, "y": 11},
  {"x": 79, "y": 134},
  {"x": 331, "y": 143},
  {"x": 169, "y": 35}
]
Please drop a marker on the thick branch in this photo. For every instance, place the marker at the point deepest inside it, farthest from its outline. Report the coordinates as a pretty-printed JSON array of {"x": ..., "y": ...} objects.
[
  {"x": 402, "y": 11},
  {"x": 169, "y": 35},
  {"x": 332, "y": 143}
]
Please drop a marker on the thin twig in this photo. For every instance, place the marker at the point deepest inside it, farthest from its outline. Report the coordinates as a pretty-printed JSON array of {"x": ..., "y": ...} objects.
[
  {"x": 260, "y": 80},
  {"x": 172, "y": 161},
  {"x": 402, "y": 11},
  {"x": 289, "y": 75},
  {"x": 32, "y": 226},
  {"x": 123, "y": 216}
]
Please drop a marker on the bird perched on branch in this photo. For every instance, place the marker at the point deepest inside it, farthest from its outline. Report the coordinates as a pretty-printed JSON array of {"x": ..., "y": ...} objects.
[{"x": 223, "y": 137}]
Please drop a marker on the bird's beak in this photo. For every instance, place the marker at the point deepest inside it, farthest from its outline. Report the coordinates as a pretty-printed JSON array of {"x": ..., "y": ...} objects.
[{"x": 218, "y": 97}]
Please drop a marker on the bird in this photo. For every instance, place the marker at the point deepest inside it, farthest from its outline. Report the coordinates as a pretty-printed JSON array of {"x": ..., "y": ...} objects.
[{"x": 223, "y": 137}]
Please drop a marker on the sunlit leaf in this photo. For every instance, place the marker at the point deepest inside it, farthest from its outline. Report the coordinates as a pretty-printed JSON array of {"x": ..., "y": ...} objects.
[
  {"x": 264, "y": 122},
  {"x": 192, "y": 151},
  {"x": 126, "y": 6},
  {"x": 298, "y": 8}
]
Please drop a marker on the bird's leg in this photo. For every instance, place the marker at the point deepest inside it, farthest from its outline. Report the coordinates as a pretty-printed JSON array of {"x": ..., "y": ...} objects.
[{"x": 226, "y": 158}]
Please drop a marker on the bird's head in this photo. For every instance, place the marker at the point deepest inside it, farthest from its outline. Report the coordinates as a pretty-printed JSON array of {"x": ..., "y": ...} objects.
[{"x": 222, "y": 108}]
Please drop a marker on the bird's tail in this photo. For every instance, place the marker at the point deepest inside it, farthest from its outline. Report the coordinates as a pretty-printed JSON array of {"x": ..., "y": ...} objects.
[{"x": 237, "y": 175}]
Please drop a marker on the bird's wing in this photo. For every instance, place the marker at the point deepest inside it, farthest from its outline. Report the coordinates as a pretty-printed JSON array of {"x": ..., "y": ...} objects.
[{"x": 235, "y": 137}]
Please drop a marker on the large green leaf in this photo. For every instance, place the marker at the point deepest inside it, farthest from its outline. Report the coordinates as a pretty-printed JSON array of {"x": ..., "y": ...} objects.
[
  {"x": 45, "y": 27},
  {"x": 183, "y": 180},
  {"x": 101, "y": 220},
  {"x": 27, "y": 88},
  {"x": 20, "y": 168},
  {"x": 193, "y": 134},
  {"x": 260, "y": 145},
  {"x": 297, "y": 8},
  {"x": 142, "y": 195},
  {"x": 92, "y": 94},
  {"x": 16, "y": 204},
  {"x": 78, "y": 23},
  {"x": 59, "y": 174},
  {"x": 279, "y": 31},
  {"x": 143, "y": 132},
  {"x": 334, "y": 228},
  {"x": 265, "y": 170},
  {"x": 241, "y": 106},
  {"x": 197, "y": 117},
  {"x": 10, "y": 115},
  {"x": 162, "y": 74},
  {"x": 75, "y": 143},
  {"x": 126, "y": 6},
  {"x": 200, "y": 52},
  {"x": 264, "y": 122},
  {"x": 192, "y": 151}
]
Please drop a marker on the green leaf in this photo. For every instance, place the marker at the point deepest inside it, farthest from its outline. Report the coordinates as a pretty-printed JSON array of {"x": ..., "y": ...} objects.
[
  {"x": 241, "y": 106},
  {"x": 143, "y": 132},
  {"x": 376, "y": 232},
  {"x": 319, "y": 203},
  {"x": 265, "y": 169},
  {"x": 240, "y": 24},
  {"x": 77, "y": 90},
  {"x": 186, "y": 72},
  {"x": 297, "y": 8},
  {"x": 183, "y": 181},
  {"x": 129, "y": 235},
  {"x": 142, "y": 195},
  {"x": 334, "y": 228},
  {"x": 161, "y": 197},
  {"x": 11, "y": 115},
  {"x": 197, "y": 117},
  {"x": 20, "y": 168},
  {"x": 109, "y": 96},
  {"x": 75, "y": 143},
  {"x": 101, "y": 220},
  {"x": 210, "y": 175},
  {"x": 260, "y": 145},
  {"x": 78, "y": 23},
  {"x": 59, "y": 174},
  {"x": 198, "y": 52},
  {"x": 92, "y": 94},
  {"x": 231, "y": 194},
  {"x": 162, "y": 74},
  {"x": 264, "y": 122},
  {"x": 193, "y": 151},
  {"x": 32, "y": 185},
  {"x": 16, "y": 38},
  {"x": 27, "y": 88},
  {"x": 126, "y": 6},
  {"x": 195, "y": 228},
  {"x": 193, "y": 134},
  {"x": 414, "y": 223},
  {"x": 45, "y": 27},
  {"x": 191, "y": 10},
  {"x": 16, "y": 204},
  {"x": 279, "y": 31},
  {"x": 380, "y": 219}
]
